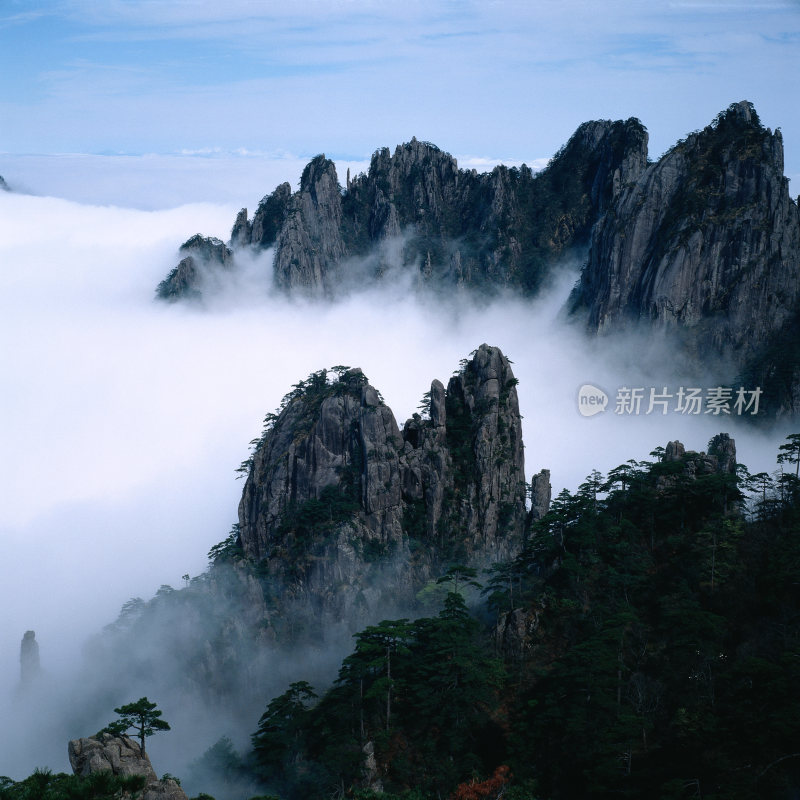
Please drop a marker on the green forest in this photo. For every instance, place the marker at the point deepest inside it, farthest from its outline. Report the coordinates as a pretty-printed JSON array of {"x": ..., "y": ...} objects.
[
  {"x": 644, "y": 644},
  {"x": 658, "y": 655}
]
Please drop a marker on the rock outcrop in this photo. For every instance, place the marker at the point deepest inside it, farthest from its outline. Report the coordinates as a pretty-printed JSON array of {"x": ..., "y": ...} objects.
[
  {"x": 202, "y": 257},
  {"x": 335, "y": 492},
  {"x": 541, "y": 494},
  {"x": 720, "y": 458},
  {"x": 516, "y": 632},
  {"x": 310, "y": 244},
  {"x": 705, "y": 243},
  {"x": 345, "y": 517},
  {"x": 122, "y": 756},
  {"x": 29, "y": 667},
  {"x": 4, "y": 187},
  {"x": 269, "y": 217},
  {"x": 465, "y": 466},
  {"x": 503, "y": 228}
]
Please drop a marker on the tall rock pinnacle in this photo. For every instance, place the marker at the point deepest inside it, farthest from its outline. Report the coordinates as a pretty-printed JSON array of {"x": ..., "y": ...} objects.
[{"x": 30, "y": 668}]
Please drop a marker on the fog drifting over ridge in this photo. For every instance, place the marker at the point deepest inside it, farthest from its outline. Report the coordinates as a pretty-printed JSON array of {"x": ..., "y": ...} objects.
[{"x": 124, "y": 419}]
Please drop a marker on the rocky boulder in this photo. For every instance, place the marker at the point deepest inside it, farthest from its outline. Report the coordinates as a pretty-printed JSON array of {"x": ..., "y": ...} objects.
[
  {"x": 516, "y": 632},
  {"x": 541, "y": 494},
  {"x": 121, "y": 755}
]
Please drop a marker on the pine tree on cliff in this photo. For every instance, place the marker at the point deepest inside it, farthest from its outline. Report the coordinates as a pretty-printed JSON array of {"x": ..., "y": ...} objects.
[{"x": 142, "y": 716}]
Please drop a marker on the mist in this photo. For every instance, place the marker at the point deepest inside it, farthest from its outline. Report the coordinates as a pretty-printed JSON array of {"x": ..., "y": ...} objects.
[{"x": 123, "y": 419}]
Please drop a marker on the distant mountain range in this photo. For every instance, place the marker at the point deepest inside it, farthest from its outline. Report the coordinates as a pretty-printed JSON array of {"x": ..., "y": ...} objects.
[{"x": 704, "y": 242}]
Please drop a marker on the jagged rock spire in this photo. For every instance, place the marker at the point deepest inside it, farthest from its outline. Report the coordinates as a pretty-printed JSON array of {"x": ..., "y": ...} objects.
[
  {"x": 487, "y": 230},
  {"x": 30, "y": 668},
  {"x": 333, "y": 483}
]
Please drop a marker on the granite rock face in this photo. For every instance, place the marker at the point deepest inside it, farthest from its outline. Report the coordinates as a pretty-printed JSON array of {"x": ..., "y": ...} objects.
[
  {"x": 516, "y": 632},
  {"x": 705, "y": 243},
  {"x": 503, "y": 228},
  {"x": 242, "y": 230},
  {"x": 310, "y": 244},
  {"x": 415, "y": 210},
  {"x": 465, "y": 465},
  {"x": 334, "y": 486},
  {"x": 541, "y": 494},
  {"x": 720, "y": 458},
  {"x": 121, "y": 755},
  {"x": 269, "y": 217},
  {"x": 202, "y": 257},
  {"x": 345, "y": 518}
]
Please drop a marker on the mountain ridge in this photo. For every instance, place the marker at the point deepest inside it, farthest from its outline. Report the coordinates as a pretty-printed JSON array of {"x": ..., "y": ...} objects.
[
  {"x": 456, "y": 225},
  {"x": 703, "y": 243},
  {"x": 706, "y": 243}
]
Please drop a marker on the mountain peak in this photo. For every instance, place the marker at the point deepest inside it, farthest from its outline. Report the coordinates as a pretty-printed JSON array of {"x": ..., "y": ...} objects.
[{"x": 333, "y": 483}]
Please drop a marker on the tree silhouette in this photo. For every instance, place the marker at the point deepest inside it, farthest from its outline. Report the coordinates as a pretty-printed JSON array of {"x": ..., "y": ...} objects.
[
  {"x": 790, "y": 452},
  {"x": 142, "y": 716}
]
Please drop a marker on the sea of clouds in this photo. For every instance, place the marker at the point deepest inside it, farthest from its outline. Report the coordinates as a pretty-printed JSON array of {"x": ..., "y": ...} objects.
[{"x": 122, "y": 419}]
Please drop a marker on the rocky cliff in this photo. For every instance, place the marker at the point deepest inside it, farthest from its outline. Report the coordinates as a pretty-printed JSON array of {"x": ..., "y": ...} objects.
[
  {"x": 121, "y": 755},
  {"x": 203, "y": 259},
  {"x": 706, "y": 243},
  {"x": 309, "y": 244},
  {"x": 4, "y": 187},
  {"x": 503, "y": 228},
  {"x": 345, "y": 517},
  {"x": 336, "y": 494}
]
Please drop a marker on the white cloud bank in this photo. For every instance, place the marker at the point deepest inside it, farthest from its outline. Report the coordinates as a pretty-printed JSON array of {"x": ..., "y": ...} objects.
[{"x": 122, "y": 420}]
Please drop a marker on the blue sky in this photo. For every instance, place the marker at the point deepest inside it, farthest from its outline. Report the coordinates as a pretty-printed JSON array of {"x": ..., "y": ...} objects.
[{"x": 502, "y": 79}]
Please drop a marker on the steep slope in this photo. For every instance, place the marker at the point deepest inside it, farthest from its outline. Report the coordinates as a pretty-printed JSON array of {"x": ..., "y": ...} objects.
[
  {"x": 336, "y": 495},
  {"x": 344, "y": 518},
  {"x": 705, "y": 243},
  {"x": 309, "y": 243},
  {"x": 503, "y": 228},
  {"x": 203, "y": 258}
]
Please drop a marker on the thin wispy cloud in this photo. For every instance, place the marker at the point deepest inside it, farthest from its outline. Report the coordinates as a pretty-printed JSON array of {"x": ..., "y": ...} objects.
[{"x": 473, "y": 77}]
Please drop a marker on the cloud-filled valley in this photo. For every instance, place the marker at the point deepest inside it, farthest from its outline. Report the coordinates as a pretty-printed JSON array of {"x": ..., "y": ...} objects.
[{"x": 124, "y": 419}]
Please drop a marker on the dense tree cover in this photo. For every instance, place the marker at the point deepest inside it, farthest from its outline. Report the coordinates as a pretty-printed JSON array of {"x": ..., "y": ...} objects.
[
  {"x": 45, "y": 785},
  {"x": 418, "y": 694},
  {"x": 668, "y": 639},
  {"x": 657, "y": 654}
]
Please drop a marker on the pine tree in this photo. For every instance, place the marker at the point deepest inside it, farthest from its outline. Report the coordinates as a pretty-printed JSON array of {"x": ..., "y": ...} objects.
[{"x": 142, "y": 716}]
